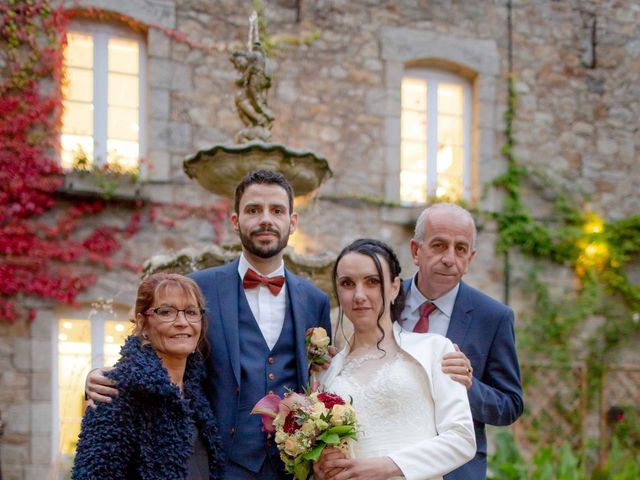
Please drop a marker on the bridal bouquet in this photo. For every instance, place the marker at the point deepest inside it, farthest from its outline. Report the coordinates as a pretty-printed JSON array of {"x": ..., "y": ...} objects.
[{"x": 304, "y": 424}]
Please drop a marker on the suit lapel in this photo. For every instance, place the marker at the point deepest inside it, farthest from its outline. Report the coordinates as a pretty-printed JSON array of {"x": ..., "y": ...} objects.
[
  {"x": 297, "y": 299},
  {"x": 228, "y": 301},
  {"x": 461, "y": 316}
]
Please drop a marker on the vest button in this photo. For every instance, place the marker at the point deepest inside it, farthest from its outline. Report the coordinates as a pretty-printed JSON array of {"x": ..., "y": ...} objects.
[
  {"x": 272, "y": 376},
  {"x": 270, "y": 360},
  {"x": 232, "y": 431}
]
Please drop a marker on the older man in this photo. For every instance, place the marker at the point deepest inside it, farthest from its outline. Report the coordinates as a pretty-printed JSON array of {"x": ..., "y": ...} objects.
[{"x": 438, "y": 301}]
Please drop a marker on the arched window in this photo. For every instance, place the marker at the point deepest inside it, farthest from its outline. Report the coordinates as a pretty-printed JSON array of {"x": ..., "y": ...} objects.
[
  {"x": 103, "y": 121},
  {"x": 435, "y": 157}
]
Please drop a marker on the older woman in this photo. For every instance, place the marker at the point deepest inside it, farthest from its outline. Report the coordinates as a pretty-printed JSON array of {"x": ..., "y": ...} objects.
[
  {"x": 161, "y": 424},
  {"x": 415, "y": 421}
]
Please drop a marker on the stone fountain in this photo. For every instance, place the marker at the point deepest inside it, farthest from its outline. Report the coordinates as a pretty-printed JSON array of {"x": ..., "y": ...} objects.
[{"x": 220, "y": 168}]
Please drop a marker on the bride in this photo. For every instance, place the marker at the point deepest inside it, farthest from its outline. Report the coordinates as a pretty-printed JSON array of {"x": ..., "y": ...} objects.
[{"x": 414, "y": 421}]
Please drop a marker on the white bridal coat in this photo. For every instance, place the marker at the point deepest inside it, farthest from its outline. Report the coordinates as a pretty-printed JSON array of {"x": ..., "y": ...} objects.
[{"x": 421, "y": 421}]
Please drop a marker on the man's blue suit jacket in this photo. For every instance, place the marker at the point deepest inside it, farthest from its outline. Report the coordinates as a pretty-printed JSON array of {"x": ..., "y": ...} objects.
[
  {"x": 483, "y": 328},
  {"x": 310, "y": 308}
]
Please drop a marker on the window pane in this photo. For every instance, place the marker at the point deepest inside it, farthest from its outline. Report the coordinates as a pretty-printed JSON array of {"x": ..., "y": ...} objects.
[
  {"x": 79, "y": 50},
  {"x": 123, "y": 155},
  {"x": 414, "y": 126},
  {"x": 123, "y": 90},
  {"x": 123, "y": 123},
  {"x": 74, "y": 362},
  {"x": 77, "y": 151},
  {"x": 77, "y": 118},
  {"x": 123, "y": 55},
  {"x": 450, "y": 98},
  {"x": 413, "y": 177},
  {"x": 450, "y": 172},
  {"x": 414, "y": 94},
  {"x": 115, "y": 333},
  {"x": 78, "y": 85},
  {"x": 413, "y": 186},
  {"x": 450, "y": 130},
  {"x": 414, "y": 157}
]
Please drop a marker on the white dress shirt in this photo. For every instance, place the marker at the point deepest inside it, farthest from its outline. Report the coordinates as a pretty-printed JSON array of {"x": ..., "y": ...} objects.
[
  {"x": 268, "y": 309},
  {"x": 439, "y": 318}
]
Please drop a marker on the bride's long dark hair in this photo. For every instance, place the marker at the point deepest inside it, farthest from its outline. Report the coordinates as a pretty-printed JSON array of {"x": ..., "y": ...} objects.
[{"x": 374, "y": 249}]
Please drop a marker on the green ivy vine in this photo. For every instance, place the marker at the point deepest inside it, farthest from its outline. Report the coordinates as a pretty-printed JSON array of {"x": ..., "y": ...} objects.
[{"x": 597, "y": 250}]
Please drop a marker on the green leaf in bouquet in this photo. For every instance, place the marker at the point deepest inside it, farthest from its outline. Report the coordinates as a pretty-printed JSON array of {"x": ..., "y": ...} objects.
[
  {"x": 314, "y": 453},
  {"x": 340, "y": 429},
  {"x": 329, "y": 438},
  {"x": 302, "y": 470}
]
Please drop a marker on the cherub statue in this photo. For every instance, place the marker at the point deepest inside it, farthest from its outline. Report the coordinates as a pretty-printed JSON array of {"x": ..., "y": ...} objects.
[{"x": 251, "y": 99}]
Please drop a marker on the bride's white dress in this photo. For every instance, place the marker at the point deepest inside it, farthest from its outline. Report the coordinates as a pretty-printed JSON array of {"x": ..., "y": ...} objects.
[
  {"x": 406, "y": 407},
  {"x": 393, "y": 402}
]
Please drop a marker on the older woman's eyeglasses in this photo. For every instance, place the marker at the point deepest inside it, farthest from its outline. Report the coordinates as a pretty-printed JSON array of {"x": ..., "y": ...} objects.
[{"x": 170, "y": 314}]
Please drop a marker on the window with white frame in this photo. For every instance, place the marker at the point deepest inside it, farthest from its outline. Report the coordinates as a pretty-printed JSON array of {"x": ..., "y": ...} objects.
[
  {"x": 83, "y": 342},
  {"x": 103, "y": 98},
  {"x": 435, "y": 136}
]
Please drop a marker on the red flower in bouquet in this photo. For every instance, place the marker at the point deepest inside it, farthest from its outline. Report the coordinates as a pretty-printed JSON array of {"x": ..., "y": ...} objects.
[{"x": 330, "y": 399}]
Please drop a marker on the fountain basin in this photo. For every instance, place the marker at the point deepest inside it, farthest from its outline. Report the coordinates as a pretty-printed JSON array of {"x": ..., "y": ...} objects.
[{"x": 221, "y": 168}]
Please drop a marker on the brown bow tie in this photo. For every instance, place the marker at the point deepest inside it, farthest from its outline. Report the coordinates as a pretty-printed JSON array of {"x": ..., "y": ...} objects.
[{"x": 252, "y": 280}]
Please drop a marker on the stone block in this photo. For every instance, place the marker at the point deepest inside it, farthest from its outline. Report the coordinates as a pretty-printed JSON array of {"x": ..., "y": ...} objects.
[
  {"x": 171, "y": 136},
  {"x": 159, "y": 168},
  {"x": 159, "y": 102},
  {"x": 41, "y": 413},
  {"x": 17, "y": 418},
  {"x": 40, "y": 449},
  {"x": 158, "y": 44},
  {"x": 41, "y": 386},
  {"x": 486, "y": 114},
  {"x": 41, "y": 355},
  {"x": 159, "y": 12},
  {"x": 392, "y": 130},
  {"x": 37, "y": 472},
  {"x": 606, "y": 146},
  {"x": 376, "y": 101},
  {"x": 168, "y": 74},
  {"x": 22, "y": 354},
  {"x": 287, "y": 91},
  {"x": 42, "y": 326}
]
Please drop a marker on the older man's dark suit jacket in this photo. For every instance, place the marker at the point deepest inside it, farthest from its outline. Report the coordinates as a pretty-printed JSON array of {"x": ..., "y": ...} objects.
[{"x": 483, "y": 328}]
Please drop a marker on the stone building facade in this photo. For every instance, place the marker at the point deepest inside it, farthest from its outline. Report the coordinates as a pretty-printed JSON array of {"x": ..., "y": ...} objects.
[{"x": 576, "y": 65}]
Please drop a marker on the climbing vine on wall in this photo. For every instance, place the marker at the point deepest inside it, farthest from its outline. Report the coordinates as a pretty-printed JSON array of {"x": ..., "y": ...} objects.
[
  {"x": 47, "y": 249},
  {"x": 597, "y": 250}
]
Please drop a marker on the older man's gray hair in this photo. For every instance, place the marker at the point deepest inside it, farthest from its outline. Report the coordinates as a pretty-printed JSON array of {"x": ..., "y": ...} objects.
[{"x": 451, "y": 208}]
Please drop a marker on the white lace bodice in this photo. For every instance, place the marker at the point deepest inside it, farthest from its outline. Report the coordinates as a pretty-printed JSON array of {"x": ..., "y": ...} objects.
[{"x": 393, "y": 401}]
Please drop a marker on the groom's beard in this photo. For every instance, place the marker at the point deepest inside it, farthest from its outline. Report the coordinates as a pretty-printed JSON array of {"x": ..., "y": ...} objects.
[{"x": 264, "y": 251}]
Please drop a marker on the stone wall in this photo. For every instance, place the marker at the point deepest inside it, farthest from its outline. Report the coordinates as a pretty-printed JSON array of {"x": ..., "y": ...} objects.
[{"x": 576, "y": 122}]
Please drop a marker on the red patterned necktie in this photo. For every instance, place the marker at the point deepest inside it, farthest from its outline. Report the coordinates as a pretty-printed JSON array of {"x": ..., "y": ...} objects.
[
  {"x": 423, "y": 323},
  {"x": 252, "y": 280}
]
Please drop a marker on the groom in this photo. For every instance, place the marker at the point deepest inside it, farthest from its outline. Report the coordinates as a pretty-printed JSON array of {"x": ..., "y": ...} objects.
[
  {"x": 258, "y": 314},
  {"x": 438, "y": 301}
]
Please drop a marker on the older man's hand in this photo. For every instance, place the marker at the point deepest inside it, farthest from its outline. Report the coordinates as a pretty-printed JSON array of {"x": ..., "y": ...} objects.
[{"x": 458, "y": 367}]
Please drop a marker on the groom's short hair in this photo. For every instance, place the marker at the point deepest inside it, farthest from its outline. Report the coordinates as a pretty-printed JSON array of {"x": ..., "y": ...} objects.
[{"x": 268, "y": 177}]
